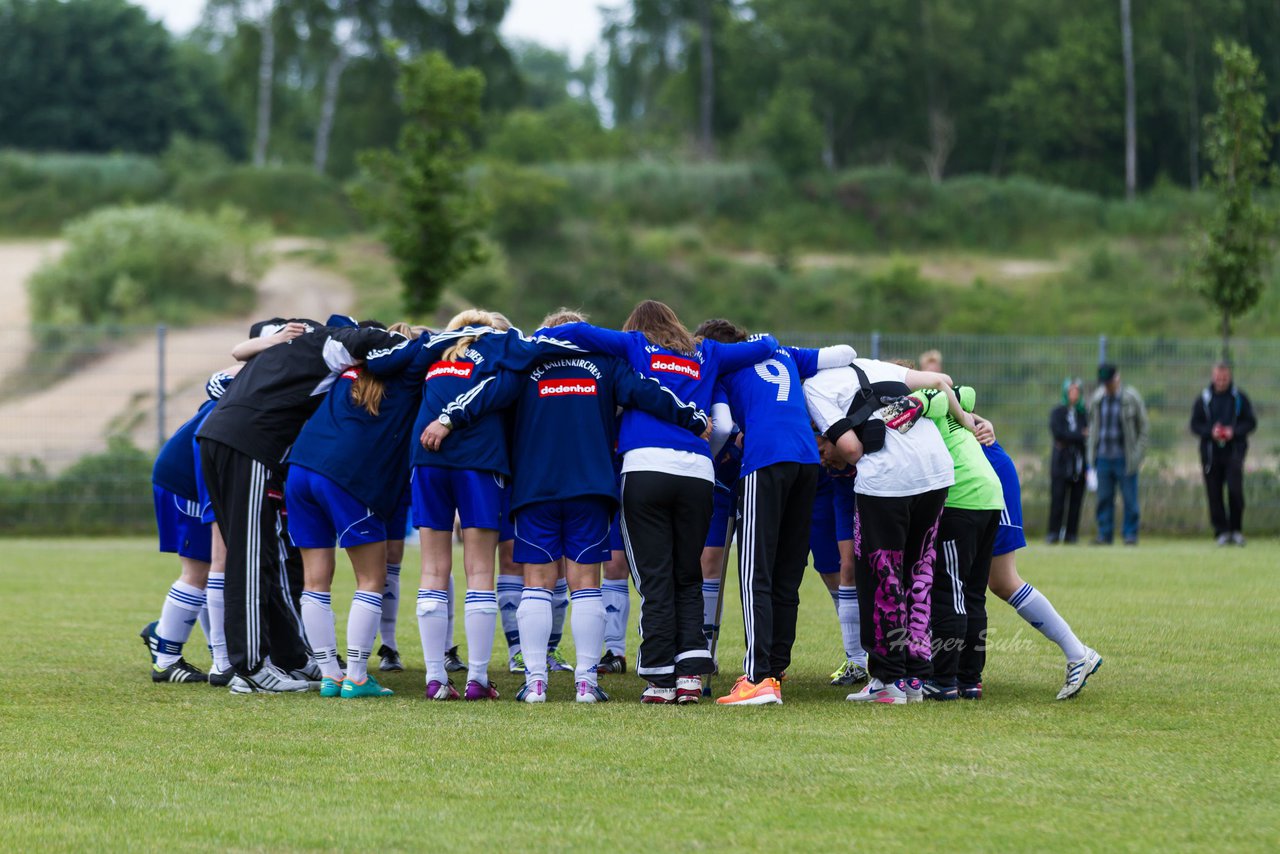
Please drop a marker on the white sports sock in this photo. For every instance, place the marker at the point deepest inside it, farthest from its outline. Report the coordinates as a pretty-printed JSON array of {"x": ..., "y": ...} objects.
[
  {"x": 390, "y": 605},
  {"x": 481, "y": 619},
  {"x": 510, "y": 588},
  {"x": 710, "y": 594},
  {"x": 178, "y": 617},
  {"x": 535, "y": 631},
  {"x": 362, "y": 628},
  {"x": 450, "y": 644},
  {"x": 203, "y": 618},
  {"x": 433, "y": 626},
  {"x": 850, "y": 624},
  {"x": 559, "y": 609},
  {"x": 1038, "y": 611},
  {"x": 616, "y": 595},
  {"x": 317, "y": 619},
  {"x": 217, "y": 617},
  {"x": 587, "y": 622}
]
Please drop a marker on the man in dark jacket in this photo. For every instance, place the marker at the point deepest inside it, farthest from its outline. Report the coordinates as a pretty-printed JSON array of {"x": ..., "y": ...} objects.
[
  {"x": 1223, "y": 419},
  {"x": 1069, "y": 424}
]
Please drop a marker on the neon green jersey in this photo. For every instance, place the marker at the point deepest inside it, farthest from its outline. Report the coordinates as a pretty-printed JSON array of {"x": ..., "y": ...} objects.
[{"x": 977, "y": 486}]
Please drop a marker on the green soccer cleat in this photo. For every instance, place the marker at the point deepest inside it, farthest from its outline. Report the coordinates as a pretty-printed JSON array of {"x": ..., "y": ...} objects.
[
  {"x": 368, "y": 688},
  {"x": 557, "y": 663},
  {"x": 516, "y": 664},
  {"x": 330, "y": 687},
  {"x": 850, "y": 673}
]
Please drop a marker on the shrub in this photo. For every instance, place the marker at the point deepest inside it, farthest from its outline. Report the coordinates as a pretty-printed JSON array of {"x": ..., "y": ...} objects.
[
  {"x": 293, "y": 199},
  {"x": 526, "y": 204},
  {"x": 38, "y": 193},
  {"x": 106, "y": 493}
]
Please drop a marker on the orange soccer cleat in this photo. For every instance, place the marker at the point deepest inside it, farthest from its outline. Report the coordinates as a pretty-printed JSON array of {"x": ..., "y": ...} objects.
[{"x": 747, "y": 693}]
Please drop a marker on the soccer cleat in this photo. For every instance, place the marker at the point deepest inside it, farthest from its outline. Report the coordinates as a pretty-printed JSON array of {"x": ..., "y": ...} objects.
[
  {"x": 658, "y": 696},
  {"x": 476, "y": 691},
  {"x": 1224, "y": 539},
  {"x": 970, "y": 692},
  {"x": 452, "y": 663},
  {"x": 612, "y": 663},
  {"x": 268, "y": 679},
  {"x": 179, "y": 671},
  {"x": 766, "y": 692},
  {"x": 437, "y": 690},
  {"x": 221, "y": 678},
  {"x": 914, "y": 689},
  {"x": 1237, "y": 538},
  {"x": 894, "y": 693},
  {"x": 515, "y": 664},
  {"x": 330, "y": 687},
  {"x": 934, "y": 691},
  {"x": 1078, "y": 673},
  {"x": 309, "y": 672},
  {"x": 390, "y": 660},
  {"x": 556, "y": 662},
  {"x": 688, "y": 689},
  {"x": 151, "y": 639},
  {"x": 850, "y": 673},
  {"x": 368, "y": 688},
  {"x": 532, "y": 692},
  {"x": 588, "y": 693}
]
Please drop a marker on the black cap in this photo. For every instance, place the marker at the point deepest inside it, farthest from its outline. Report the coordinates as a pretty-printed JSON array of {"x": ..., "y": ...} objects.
[{"x": 1107, "y": 372}]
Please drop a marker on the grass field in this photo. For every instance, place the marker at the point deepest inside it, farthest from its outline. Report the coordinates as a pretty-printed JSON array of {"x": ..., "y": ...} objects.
[{"x": 1175, "y": 743}]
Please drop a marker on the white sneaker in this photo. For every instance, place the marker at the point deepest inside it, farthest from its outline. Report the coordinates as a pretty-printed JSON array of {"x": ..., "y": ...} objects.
[
  {"x": 268, "y": 679},
  {"x": 1078, "y": 672},
  {"x": 309, "y": 672},
  {"x": 914, "y": 689},
  {"x": 655, "y": 695},
  {"x": 1237, "y": 538},
  {"x": 895, "y": 693},
  {"x": 590, "y": 693},
  {"x": 534, "y": 691},
  {"x": 1224, "y": 539}
]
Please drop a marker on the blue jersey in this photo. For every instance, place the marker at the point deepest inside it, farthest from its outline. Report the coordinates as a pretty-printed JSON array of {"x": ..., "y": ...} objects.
[
  {"x": 690, "y": 376},
  {"x": 175, "y": 467},
  {"x": 565, "y": 423},
  {"x": 767, "y": 401},
  {"x": 448, "y": 386}
]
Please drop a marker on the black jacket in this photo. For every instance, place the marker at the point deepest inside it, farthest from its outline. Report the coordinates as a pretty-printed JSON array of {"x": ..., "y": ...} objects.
[
  {"x": 1068, "y": 461},
  {"x": 1231, "y": 408}
]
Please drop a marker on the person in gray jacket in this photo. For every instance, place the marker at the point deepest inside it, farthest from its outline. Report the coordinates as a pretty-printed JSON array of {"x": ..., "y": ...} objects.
[{"x": 1117, "y": 445}]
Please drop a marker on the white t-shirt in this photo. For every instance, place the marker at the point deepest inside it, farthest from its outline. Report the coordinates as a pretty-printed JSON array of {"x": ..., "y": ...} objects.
[
  {"x": 909, "y": 463},
  {"x": 669, "y": 461}
]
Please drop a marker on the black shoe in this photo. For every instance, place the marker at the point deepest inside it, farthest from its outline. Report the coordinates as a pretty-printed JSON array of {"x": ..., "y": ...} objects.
[
  {"x": 611, "y": 663},
  {"x": 221, "y": 678},
  {"x": 452, "y": 662},
  {"x": 151, "y": 639},
  {"x": 1099, "y": 542},
  {"x": 179, "y": 671},
  {"x": 1131, "y": 541},
  {"x": 1050, "y": 540},
  {"x": 390, "y": 660}
]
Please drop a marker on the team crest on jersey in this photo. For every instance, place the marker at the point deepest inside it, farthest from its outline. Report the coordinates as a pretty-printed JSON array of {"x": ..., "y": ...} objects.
[
  {"x": 461, "y": 370},
  {"x": 560, "y": 388},
  {"x": 662, "y": 363},
  {"x": 351, "y": 374}
]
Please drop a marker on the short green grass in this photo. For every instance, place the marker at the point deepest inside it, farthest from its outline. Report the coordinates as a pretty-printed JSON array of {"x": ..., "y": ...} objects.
[{"x": 1175, "y": 743}]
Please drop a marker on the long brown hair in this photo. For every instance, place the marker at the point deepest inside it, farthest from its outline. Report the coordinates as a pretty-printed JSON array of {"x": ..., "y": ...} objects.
[
  {"x": 472, "y": 317},
  {"x": 661, "y": 326},
  {"x": 368, "y": 390}
]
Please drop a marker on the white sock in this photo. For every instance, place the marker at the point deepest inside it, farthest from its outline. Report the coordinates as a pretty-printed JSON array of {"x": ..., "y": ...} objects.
[
  {"x": 616, "y": 595},
  {"x": 362, "y": 628},
  {"x": 390, "y": 605},
  {"x": 317, "y": 619},
  {"x": 535, "y": 618},
  {"x": 433, "y": 626},
  {"x": 588, "y": 632},
  {"x": 178, "y": 617},
  {"x": 850, "y": 624},
  {"x": 710, "y": 594},
  {"x": 1038, "y": 611},
  {"x": 510, "y": 588},
  {"x": 217, "y": 616},
  {"x": 481, "y": 618},
  {"x": 203, "y": 617},
  {"x": 559, "y": 609},
  {"x": 449, "y": 640}
]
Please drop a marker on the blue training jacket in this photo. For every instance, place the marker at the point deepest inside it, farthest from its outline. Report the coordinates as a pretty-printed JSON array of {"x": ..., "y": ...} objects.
[
  {"x": 175, "y": 467},
  {"x": 690, "y": 376},
  {"x": 767, "y": 402}
]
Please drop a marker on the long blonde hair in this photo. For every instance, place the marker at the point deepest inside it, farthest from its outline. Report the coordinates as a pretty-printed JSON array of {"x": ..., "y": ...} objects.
[
  {"x": 472, "y": 317},
  {"x": 661, "y": 326},
  {"x": 368, "y": 390}
]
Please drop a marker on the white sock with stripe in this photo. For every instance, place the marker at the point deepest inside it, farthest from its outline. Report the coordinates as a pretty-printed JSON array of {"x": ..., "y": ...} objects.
[
  {"x": 559, "y": 610},
  {"x": 178, "y": 617},
  {"x": 587, "y": 622},
  {"x": 535, "y": 617},
  {"x": 850, "y": 624},
  {"x": 216, "y": 604},
  {"x": 710, "y": 595},
  {"x": 1039, "y": 612},
  {"x": 510, "y": 588},
  {"x": 433, "y": 626},
  {"x": 481, "y": 618},
  {"x": 317, "y": 619},
  {"x": 390, "y": 604},
  {"x": 449, "y": 644},
  {"x": 616, "y": 595},
  {"x": 362, "y": 628}
]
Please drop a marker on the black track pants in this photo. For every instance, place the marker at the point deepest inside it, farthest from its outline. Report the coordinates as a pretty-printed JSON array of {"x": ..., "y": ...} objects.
[{"x": 959, "y": 616}]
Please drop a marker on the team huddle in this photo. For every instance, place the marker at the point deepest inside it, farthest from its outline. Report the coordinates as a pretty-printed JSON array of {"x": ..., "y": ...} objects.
[{"x": 575, "y": 463}]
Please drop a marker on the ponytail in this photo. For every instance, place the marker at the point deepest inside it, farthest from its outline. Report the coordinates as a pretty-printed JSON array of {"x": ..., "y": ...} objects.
[{"x": 368, "y": 390}]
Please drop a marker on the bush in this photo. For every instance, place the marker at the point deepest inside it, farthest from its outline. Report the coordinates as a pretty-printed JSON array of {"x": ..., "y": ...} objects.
[
  {"x": 106, "y": 493},
  {"x": 526, "y": 204},
  {"x": 293, "y": 199},
  {"x": 149, "y": 264},
  {"x": 38, "y": 193}
]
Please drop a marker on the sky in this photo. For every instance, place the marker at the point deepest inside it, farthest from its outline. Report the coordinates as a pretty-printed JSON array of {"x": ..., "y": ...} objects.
[{"x": 571, "y": 25}]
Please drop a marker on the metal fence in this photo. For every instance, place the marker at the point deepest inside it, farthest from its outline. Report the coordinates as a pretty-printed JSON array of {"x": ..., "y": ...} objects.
[{"x": 75, "y": 402}]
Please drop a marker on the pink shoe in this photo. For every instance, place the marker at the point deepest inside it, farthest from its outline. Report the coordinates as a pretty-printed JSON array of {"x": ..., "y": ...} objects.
[
  {"x": 437, "y": 690},
  {"x": 476, "y": 691}
]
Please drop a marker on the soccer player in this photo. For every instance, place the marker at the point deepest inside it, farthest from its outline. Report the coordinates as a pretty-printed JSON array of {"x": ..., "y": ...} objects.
[
  {"x": 901, "y": 486},
  {"x": 564, "y": 492},
  {"x": 775, "y": 502},
  {"x": 389, "y": 651},
  {"x": 667, "y": 483},
  {"x": 831, "y": 550},
  {"x": 615, "y": 590},
  {"x": 724, "y": 511}
]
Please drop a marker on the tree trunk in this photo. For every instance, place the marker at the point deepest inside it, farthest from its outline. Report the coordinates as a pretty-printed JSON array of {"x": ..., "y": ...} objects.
[
  {"x": 1193, "y": 103},
  {"x": 707, "y": 98},
  {"x": 266, "y": 76},
  {"x": 1226, "y": 336},
  {"x": 1130, "y": 108},
  {"x": 328, "y": 107},
  {"x": 829, "y": 140}
]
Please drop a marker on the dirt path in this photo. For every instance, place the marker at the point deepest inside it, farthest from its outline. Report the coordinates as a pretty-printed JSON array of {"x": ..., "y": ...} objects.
[{"x": 117, "y": 394}]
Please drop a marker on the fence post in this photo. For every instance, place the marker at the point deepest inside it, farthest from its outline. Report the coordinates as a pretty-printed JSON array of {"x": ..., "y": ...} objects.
[
  {"x": 1102, "y": 349},
  {"x": 160, "y": 384},
  {"x": 875, "y": 345}
]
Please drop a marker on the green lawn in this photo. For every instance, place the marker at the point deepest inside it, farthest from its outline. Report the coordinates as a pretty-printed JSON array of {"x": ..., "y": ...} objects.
[{"x": 1174, "y": 743}]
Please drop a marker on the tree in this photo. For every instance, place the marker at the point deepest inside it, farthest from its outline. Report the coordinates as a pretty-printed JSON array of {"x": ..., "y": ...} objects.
[
  {"x": 1231, "y": 255},
  {"x": 1130, "y": 103},
  {"x": 431, "y": 217},
  {"x": 266, "y": 78}
]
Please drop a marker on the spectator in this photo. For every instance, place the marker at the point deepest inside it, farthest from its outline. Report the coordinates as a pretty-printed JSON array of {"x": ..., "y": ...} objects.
[
  {"x": 1116, "y": 448},
  {"x": 1069, "y": 424},
  {"x": 1223, "y": 419}
]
